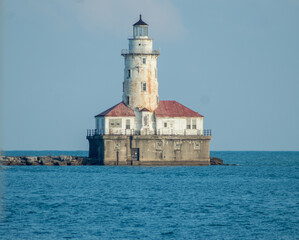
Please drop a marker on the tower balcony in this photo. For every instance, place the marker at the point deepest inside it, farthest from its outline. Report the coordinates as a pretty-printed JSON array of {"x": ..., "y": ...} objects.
[{"x": 125, "y": 52}]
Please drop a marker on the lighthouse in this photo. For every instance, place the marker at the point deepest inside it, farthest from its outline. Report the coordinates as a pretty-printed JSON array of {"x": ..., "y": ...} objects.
[
  {"x": 141, "y": 129},
  {"x": 140, "y": 73},
  {"x": 140, "y": 85}
]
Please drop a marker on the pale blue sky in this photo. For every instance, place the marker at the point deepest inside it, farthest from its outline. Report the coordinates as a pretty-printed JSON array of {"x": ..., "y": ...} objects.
[{"x": 234, "y": 61}]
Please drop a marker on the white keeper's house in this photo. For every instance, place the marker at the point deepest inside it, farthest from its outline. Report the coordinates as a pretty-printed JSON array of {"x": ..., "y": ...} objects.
[{"x": 141, "y": 129}]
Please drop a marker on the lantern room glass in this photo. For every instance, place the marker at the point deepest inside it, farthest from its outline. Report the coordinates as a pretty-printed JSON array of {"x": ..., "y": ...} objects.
[{"x": 140, "y": 31}]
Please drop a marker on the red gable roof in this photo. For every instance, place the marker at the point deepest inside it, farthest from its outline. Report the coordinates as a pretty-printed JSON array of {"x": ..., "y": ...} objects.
[
  {"x": 119, "y": 110},
  {"x": 174, "y": 109}
]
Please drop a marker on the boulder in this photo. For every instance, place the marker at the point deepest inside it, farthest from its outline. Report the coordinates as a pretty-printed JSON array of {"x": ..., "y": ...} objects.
[
  {"x": 46, "y": 160},
  {"x": 16, "y": 161},
  {"x": 30, "y": 160},
  {"x": 65, "y": 158},
  {"x": 77, "y": 161},
  {"x": 216, "y": 161}
]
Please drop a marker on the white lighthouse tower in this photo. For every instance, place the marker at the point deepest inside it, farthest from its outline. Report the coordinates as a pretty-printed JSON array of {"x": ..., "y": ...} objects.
[{"x": 140, "y": 86}]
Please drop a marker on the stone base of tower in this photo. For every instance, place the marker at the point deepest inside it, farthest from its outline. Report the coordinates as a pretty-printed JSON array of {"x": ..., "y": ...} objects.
[{"x": 150, "y": 150}]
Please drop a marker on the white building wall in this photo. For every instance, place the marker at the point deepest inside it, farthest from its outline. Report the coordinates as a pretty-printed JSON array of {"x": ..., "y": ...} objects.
[
  {"x": 178, "y": 126},
  {"x": 140, "y": 123},
  {"x": 122, "y": 129},
  {"x": 103, "y": 125}
]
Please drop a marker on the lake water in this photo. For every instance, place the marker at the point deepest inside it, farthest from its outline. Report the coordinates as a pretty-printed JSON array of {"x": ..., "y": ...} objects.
[{"x": 258, "y": 199}]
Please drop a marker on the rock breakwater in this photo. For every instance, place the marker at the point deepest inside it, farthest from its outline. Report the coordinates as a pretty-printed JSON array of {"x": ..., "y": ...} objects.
[
  {"x": 65, "y": 161},
  {"x": 48, "y": 160}
]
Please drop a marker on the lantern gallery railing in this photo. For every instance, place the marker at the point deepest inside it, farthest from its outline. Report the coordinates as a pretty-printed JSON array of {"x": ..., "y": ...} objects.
[
  {"x": 205, "y": 132},
  {"x": 127, "y": 51}
]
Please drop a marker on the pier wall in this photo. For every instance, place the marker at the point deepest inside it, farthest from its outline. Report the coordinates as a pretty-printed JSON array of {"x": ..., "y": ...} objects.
[{"x": 150, "y": 150}]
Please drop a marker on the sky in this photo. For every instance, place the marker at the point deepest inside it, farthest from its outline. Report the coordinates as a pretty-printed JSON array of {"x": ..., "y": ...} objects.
[{"x": 236, "y": 62}]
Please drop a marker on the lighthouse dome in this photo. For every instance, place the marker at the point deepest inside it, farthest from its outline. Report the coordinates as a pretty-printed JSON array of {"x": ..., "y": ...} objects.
[{"x": 140, "y": 22}]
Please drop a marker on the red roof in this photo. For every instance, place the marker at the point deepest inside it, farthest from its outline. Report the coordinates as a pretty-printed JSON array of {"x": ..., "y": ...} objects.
[
  {"x": 119, "y": 110},
  {"x": 174, "y": 109}
]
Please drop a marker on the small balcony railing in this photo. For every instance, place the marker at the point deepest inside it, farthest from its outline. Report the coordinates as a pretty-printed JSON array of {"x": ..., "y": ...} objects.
[
  {"x": 205, "y": 132},
  {"x": 127, "y": 51}
]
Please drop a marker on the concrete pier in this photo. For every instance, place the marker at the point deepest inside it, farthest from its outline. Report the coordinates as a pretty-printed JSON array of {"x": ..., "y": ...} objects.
[{"x": 150, "y": 150}]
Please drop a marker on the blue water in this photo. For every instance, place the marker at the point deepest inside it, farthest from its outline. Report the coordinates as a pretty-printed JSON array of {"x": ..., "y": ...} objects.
[{"x": 258, "y": 199}]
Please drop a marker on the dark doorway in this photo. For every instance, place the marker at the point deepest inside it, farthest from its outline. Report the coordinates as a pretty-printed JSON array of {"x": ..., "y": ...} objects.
[
  {"x": 135, "y": 154},
  {"x": 117, "y": 157}
]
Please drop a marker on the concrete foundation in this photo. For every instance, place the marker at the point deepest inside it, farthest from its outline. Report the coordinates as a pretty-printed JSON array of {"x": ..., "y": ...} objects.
[{"x": 150, "y": 150}]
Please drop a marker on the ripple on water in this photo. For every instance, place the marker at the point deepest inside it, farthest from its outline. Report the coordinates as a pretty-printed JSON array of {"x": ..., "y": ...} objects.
[{"x": 256, "y": 200}]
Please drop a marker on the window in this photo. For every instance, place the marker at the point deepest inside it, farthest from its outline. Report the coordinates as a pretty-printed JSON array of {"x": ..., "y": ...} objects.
[
  {"x": 193, "y": 123},
  {"x": 117, "y": 145},
  {"x": 140, "y": 30},
  {"x": 128, "y": 100},
  {"x": 197, "y": 146},
  {"x": 157, "y": 100},
  {"x": 128, "y": 124},
  {"x": 188, "y": 123},
  {"x": 129, "y": 73},
  {"x": 145, "y": 120},
  {"x": 143, "y": 87},
  {"x": 144, "y": 60},
  {"x": 165, "y": 124},
  {"x": 177, "y": 146},
  {"x": 115, "y": 123},
  {"x": 159, "y": 145}
]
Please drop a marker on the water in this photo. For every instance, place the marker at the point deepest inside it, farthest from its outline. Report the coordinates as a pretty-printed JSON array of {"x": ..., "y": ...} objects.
[{"x": 256, "y": 200}]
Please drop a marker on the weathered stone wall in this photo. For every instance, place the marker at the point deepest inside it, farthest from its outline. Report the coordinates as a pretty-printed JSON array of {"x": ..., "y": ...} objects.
[{"x": 150, "y": 150}]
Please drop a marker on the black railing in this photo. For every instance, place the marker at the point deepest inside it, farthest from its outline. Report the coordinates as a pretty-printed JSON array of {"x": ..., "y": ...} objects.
[
  {"x": 205, "y": 132},
  {"x": 93, "y": 132}
]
